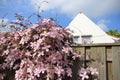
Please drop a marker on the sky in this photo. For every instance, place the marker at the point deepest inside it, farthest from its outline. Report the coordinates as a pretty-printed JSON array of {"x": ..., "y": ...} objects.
[{"x": 104, "y": 13}]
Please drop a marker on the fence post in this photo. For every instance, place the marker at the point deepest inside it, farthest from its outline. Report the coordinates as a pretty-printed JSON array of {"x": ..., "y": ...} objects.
[{"x": 116, "y": 62}]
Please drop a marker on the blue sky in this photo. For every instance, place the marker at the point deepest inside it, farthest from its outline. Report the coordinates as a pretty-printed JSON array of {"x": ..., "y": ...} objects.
[{"x": 105, "y": 13}]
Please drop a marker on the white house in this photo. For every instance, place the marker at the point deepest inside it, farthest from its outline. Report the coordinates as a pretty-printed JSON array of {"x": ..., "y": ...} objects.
[{"x": 85, "y": 31}]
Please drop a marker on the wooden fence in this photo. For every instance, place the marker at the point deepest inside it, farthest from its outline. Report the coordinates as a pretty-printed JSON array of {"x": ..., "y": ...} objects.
[{"x": 105, "y": 57}]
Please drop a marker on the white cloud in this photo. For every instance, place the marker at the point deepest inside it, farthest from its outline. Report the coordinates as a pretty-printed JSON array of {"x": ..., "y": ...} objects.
[
  {"x": 4, "y": 25},
  {"x": 92, "y": 8},
  {"x": 3, "y": 22},
  {"x": 102, "y": 25}
]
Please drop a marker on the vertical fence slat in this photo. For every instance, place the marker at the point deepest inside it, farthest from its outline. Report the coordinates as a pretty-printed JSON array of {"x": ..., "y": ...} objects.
[
  {"x": 116, "y": 62},
  {"x": 77, "y": 64},
  {"x": 99, "y": 55},
  {"x": 109, "y": 63},
  {"x": 109, "y": 70}
]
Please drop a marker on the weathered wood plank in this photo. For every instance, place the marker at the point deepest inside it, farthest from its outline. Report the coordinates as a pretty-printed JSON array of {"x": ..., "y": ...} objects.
[
  {"x": 109, "y": 53},
  {"x": 109, "y": 70},
  {"x": 109, "y": 63},
  {"x": 116, "y": 62},
  {"x": 99, "y": 45},
  {"x": 88, "y": 52},
  {"x": 78, "y": 63},
  {"x": 98, "y": 54}
]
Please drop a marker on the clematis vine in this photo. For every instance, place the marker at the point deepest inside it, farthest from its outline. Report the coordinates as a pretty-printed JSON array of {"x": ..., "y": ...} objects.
[{"x": 39, "y": 52}]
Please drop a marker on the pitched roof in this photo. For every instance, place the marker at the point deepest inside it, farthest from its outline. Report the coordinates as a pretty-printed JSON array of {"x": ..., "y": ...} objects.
[{"x": 82, "y": 25}]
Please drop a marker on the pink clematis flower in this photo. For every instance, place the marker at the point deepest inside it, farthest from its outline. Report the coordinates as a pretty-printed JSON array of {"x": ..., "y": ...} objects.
[
  {"x": 39, "y": 41},
  {"x": 24, "y": 40},
  {"x": 94, "y": 71},
  {"x": 34, "y": 45},
  {"x": 84, "y": 75},
  {"x": 34, "y": 26},
  {"x": 46, "y": 48},
  {"x": 16, "y": 35},
  {"x": 66, "y": 49},
  {"x": 45, "y": 21},
  {"x": 27, "y": 53},
  {"x": 75, "y": 55},
  {"x": 36, "y": 36},
  {"x": 59, "y": 71},
  {"x": 69, "y": 72}
]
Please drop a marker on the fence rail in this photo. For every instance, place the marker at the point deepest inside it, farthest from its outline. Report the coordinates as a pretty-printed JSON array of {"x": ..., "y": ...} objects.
[{"x": 105, "y": 57}]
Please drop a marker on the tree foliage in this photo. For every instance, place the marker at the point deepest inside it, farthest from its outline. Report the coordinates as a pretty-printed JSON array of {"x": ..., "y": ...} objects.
[{"x": 114, "y": 33}]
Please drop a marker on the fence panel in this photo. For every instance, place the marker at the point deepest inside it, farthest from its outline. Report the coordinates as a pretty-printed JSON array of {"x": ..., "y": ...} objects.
[
  {"x": 105, "y": 57},
  {"x": 116, "y": 63}
]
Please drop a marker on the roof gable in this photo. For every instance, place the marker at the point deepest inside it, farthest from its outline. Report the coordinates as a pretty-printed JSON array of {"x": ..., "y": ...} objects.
[{"x": 85, "y": 26}]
